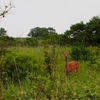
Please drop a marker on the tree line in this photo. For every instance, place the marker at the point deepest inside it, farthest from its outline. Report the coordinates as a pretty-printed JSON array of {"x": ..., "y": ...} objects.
[
  {"x": 84, "y": 33},
  {"x": 80, "y": 33}
]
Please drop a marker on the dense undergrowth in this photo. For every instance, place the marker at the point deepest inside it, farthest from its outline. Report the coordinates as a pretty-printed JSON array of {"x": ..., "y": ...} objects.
[{"x": 38, "y": 74}]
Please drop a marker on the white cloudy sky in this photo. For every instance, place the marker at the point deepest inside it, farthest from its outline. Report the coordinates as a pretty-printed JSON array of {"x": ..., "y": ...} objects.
[{"x": 59, "y": 14}]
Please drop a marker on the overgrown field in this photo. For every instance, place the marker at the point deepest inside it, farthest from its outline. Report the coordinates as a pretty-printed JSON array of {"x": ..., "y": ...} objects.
[{"x": 38, "y": 74}]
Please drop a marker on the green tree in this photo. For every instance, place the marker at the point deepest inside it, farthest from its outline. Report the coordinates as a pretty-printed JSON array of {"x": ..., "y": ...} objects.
[
  {"x": 41, "y": 32},
  {"x": 93, "y": 30},
  {"x": 76, "y": 33},
  {"x": 3, "y": 32},
  {"x": 80, "y": 33}
]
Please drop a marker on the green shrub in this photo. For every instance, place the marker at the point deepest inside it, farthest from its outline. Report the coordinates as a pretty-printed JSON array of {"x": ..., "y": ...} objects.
[
  {"x": 91, "y": 54},
  {"x": 20, "y": 64},
  {"x": 80, "y": 53},
  {"x": 94, "y": 60},
  {"x": 95, "y": 52},
  {"x": 31, "y": 42}
]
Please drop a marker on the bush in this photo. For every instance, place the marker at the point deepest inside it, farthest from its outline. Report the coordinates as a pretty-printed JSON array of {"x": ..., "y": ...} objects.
[
  {"x": 95, "y": 52},
  {"x": 31, "y": 42},
  {"x": 20, "y": 64},
  {"x": 94, "y": 60},
  {"x": 80, "y": 53},
  {"x": 10, "y": 41}
]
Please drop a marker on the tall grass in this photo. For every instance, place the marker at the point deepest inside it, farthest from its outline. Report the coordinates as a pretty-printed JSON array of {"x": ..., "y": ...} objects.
[{"x": 82, "y": 86}]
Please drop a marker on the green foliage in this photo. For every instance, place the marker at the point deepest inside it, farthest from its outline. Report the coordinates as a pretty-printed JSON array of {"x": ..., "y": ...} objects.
[
  {"x": 52, "y": 39},
  {"x": 44, "y": 83},
  {"x": 94, "y": 61},
  {"x": 31, "y": 42},
  {"x": 3, "y": 51},
  {"x": 3, "y": 32},
  {"x": 41, "y": 32},
  {"x": 90, "y": 54},
  {"x": 24, "y": 63},
  {"x": 9, "y": 41},
  {"x": 38, "y": 84},
  {"x": 87, "y": 34},
  {"x": 49, "y": 58},
  {"x": 80, "y": 53}
]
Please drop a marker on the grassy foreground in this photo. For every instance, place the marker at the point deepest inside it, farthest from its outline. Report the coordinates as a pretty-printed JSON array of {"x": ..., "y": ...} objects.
[{"x": 39, "y": 85}]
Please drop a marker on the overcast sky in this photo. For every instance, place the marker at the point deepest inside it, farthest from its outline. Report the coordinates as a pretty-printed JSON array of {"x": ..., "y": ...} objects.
[{"x": 59, "y": 14}]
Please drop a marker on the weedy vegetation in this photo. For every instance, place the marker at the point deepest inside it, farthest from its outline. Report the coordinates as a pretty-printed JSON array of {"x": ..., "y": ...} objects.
[{"x": 37, "y": 73}]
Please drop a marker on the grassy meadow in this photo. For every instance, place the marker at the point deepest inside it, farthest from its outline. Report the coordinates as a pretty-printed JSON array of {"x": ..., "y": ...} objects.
[{"x": 40, "y": 85}]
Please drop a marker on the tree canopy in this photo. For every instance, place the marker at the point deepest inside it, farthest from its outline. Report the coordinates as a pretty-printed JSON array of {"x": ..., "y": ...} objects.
[
  {"x": 84, "y": 33},
  {"x": 41, "y": 32},
  {"x": 3, "y": 32}
]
